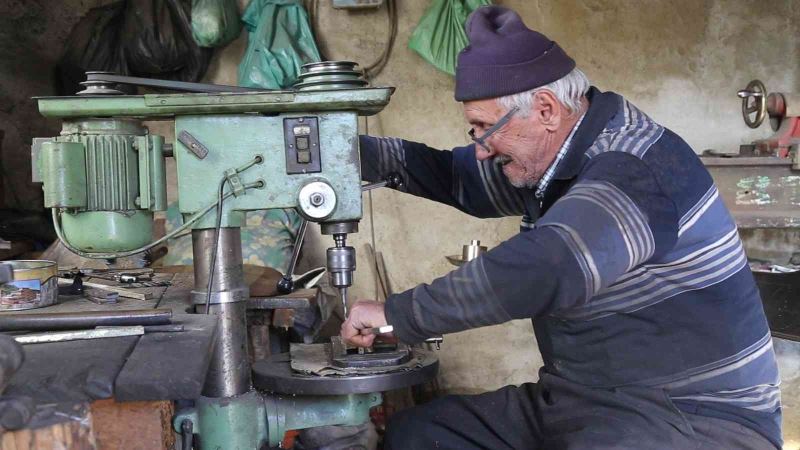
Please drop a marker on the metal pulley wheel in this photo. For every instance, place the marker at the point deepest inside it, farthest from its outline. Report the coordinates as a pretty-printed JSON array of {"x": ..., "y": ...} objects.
[{"x": 754, "y": 103}]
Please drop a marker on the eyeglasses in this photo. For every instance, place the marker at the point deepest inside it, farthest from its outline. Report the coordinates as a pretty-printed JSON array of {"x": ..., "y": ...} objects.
[{"x": 482, "y": 139}]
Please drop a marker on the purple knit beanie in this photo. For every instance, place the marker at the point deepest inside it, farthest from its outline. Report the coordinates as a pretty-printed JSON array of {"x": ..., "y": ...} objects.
[{"x": 505, "y": 57}]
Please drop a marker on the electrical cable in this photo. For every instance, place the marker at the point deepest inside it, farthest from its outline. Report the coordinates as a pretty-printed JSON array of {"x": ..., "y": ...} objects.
[
  {"x": 374, "y": 69},
  {"x": 217, "y": 231},
  {"x": 218, "y": 225}
]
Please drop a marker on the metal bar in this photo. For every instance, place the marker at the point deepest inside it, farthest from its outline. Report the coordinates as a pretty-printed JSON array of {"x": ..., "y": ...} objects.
[
  {"x": 738, "y": 161},
  {"x": 62, "y": 336},
  {"x": 87, "y": 319}
]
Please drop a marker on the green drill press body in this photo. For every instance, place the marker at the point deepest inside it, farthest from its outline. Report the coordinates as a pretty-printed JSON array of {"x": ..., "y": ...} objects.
[{"x": 106, "y": 171}]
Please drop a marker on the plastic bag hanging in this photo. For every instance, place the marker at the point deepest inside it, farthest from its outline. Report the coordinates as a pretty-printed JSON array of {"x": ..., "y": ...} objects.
[
  {"x": 93, "y": 44},
  {"x": 158, "y": 43},
  {"x": 215, "y": 23},
  {"x": 440, "y": 34},
  {"x": 280, "y": 41}
]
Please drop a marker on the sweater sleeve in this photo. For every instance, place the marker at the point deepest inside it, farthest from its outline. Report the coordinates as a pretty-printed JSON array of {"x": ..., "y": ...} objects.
[
  {"x": 612, "y": 220},
  {"x": 455, "y": 178}
]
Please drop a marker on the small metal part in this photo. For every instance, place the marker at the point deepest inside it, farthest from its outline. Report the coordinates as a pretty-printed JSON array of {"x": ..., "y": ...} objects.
[
  {"x": 187, "y": 434},
  {"x": 316, "y": 210},
  {"x": 468, "y": 253},
  {"x": 101, "y": 297},
  {"x": 85, "y": 319},
  {"x": 437, "y": 341},
  {"x": 192, "y": 144},
  {"x": 393, "y": 181},
  {"x": 378, "y": 356},
  {"x": 386, "y": 329},
  {"x": 98, "y": 333}
]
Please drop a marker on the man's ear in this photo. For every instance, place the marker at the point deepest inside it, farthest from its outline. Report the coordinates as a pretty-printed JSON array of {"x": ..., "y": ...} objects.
[{"x": 547, "y": 110}]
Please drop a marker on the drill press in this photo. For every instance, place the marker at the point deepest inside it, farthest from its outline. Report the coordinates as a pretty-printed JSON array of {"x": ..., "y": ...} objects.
[{"x": 236, "y": 150}]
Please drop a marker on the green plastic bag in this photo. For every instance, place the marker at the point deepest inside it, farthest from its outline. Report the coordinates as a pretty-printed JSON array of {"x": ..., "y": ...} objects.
[
  {"x": 280, "y": 41},
  {"x": 440, "y": 34},
  {"x": 215, "y": 22}
]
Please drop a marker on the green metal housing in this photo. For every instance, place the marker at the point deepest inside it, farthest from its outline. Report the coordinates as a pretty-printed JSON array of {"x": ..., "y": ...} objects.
[{"x": 252, "y": 419}]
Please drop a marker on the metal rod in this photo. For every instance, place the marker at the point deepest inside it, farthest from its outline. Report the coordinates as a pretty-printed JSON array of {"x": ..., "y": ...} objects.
[
  {"x": 63, "y": 336},
  {"x": 87, "y": 319}
]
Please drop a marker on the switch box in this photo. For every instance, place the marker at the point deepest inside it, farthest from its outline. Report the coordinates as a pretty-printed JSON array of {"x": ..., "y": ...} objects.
[{"x": 301, "y": 137}]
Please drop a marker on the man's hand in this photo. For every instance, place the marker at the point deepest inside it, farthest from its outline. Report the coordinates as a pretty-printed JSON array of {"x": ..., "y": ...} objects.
[{"x": 365, "y": 314}]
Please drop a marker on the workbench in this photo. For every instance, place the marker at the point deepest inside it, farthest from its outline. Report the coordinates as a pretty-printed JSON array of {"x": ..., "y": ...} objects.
[{"x": 91, "y": 378}]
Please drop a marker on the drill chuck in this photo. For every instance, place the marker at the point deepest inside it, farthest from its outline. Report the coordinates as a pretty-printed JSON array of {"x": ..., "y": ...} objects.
[{"x": 341, "y": 265}]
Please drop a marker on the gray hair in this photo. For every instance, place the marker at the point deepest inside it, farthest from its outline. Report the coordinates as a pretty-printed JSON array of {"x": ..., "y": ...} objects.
[{"x": 569, "y": 90}]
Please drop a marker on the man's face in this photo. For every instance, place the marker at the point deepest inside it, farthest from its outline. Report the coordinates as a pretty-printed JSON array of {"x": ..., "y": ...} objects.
[{"x": 521, "y": 146}]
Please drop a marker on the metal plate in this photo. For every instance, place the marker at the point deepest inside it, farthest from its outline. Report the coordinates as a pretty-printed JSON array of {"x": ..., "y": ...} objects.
[{"x": 274, "y": 374}]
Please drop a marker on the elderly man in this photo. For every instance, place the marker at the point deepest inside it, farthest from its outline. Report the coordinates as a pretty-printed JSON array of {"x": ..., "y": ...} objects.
[{"x": 646, "y": 314}]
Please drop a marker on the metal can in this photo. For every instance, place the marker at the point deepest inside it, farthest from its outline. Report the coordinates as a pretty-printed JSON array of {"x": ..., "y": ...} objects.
[{"x": 35, "y": 285}]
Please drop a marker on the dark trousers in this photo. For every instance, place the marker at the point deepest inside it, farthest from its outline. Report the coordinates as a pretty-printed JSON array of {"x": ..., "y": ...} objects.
[{"x": 555, "y": 414}]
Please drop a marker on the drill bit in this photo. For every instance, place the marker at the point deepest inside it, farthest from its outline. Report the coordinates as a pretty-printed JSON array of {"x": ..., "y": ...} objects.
[{"x": 343, "y": 295}]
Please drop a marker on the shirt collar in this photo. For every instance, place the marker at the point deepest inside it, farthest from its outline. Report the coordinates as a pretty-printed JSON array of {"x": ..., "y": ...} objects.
[
  {"x": 544, "y": 181},
  {"x": 602, "y": 107}
]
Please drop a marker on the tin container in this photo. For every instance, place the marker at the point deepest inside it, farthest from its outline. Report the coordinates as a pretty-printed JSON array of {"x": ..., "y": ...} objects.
[{"x": 35, "y": 285}]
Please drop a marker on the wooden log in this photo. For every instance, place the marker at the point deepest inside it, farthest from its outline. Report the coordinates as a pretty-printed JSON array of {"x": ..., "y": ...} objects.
[{"x": 133, "y": 425}]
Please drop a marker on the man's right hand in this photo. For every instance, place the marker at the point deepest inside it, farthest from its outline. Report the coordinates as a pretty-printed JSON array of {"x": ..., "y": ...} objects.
[{"x": 365, "y": 314}]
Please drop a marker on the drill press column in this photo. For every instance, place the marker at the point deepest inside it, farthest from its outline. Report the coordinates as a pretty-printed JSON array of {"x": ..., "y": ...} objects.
[{"x": 229, "y": 373}]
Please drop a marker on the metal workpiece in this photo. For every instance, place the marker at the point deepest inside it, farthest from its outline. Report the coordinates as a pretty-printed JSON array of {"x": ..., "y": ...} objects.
[
  {"x": 229, "y": 285},
  {"x": 84, "y": 319},
  {"x": 275, "y": 374},
  {"x": 76, "y": 335},
  {"x": 251, "y": 420}
]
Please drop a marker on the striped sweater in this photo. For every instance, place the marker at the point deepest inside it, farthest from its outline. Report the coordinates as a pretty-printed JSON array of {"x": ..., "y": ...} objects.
[{"x": 629, "y": 265}]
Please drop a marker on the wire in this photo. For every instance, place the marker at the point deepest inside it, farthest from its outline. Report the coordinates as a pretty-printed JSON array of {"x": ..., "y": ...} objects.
[
  {"x": 217, "y": 231},
  {"x": 372, "y": 70}
]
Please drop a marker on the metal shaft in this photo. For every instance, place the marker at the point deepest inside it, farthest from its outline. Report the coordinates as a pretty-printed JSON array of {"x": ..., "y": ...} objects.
[
  {"x": 86, "y": 319},
  {"x": 229, "y": 372}
]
